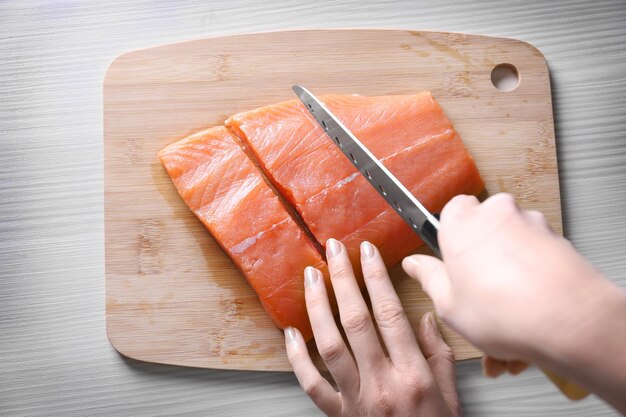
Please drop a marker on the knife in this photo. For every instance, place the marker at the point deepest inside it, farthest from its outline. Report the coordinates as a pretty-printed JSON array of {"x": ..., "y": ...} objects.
[
  {"x": 388, "y": 186},
  {"x": 424, "y": 223}
]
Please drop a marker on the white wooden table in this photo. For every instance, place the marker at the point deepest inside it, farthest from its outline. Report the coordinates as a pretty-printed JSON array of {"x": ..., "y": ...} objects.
[{"x": 54, "y": 355}]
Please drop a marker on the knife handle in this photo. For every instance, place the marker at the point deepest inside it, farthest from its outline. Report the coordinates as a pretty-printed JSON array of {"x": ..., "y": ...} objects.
[
  {"x": 569, "y": 389},
  {"x": 429, "y": 233}
]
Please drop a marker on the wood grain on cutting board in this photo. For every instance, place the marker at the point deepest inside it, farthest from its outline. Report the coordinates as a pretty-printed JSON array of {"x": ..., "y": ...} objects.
[{"x": 172, "y": 295}]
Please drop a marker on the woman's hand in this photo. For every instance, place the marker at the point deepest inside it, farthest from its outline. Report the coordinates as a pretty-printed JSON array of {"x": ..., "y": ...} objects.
[
  {"x": 518, "y": 291},
  {"x": 416, "y": 379},
  {"x": 509, "y": 284}
]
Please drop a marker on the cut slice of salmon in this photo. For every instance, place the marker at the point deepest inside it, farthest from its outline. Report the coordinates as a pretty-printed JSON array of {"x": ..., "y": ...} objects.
[
  {"x": 227, "y": 192},
  {"x": 411, "y": 136}
]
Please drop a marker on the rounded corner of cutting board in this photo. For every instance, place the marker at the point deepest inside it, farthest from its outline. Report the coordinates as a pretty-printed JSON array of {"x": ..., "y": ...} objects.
[
  {"x": 118, "y": 68},
  {"x": 529, "y": 46},
  {"x": 112, "y": 68},
  {"x": 117, "y": 343}
]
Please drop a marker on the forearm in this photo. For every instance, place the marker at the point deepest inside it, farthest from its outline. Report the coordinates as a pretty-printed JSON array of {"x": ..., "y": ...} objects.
[{"x": 591, "y": 348}]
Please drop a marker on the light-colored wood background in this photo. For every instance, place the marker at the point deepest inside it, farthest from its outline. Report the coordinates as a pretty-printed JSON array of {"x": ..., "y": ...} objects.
[
  {"x": 55, "y": 356},
  {"x": 172, "y": 294}
]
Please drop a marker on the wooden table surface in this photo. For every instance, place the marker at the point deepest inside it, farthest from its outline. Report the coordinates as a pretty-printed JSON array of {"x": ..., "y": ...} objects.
[{"x": 55, "y": 358}]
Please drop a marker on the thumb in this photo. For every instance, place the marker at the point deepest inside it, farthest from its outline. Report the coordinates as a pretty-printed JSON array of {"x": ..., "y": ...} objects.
[
  {"x": 431, "y": 273},
  {"x": 440, "y": 359}
]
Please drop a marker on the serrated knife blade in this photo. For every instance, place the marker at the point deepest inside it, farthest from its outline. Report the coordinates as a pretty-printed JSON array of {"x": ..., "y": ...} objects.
[{"x": 424, "y": 223}]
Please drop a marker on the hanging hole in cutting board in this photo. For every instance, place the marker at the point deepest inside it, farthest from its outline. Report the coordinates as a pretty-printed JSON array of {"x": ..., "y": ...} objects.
[{"x": 505, "y": 77}]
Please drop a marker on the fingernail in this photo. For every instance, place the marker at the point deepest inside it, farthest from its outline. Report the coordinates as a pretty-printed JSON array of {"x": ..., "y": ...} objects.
[
  {"x": 409, "y": 264},
  {"x": 367, "y": 251},
  {"x": 432, "y": 322},
  {"x": 310, "y": 276},
  {"x": 332, "y": 248},
  {"x": 411, "y": 261},
  {"x": 290, "y": 334}
]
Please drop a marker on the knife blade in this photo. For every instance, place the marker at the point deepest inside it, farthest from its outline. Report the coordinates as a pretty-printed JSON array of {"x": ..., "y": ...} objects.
[{"x": 424, "y": 223}]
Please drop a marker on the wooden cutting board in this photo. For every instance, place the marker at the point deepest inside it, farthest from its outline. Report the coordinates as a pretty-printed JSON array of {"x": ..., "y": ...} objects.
[{"x": 172, "y": 295}]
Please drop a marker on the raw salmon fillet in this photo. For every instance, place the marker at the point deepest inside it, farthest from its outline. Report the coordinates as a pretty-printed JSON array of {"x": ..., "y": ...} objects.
[
  {"x": 227, "y": 192},
  {"x": 410, "y": 134}
]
